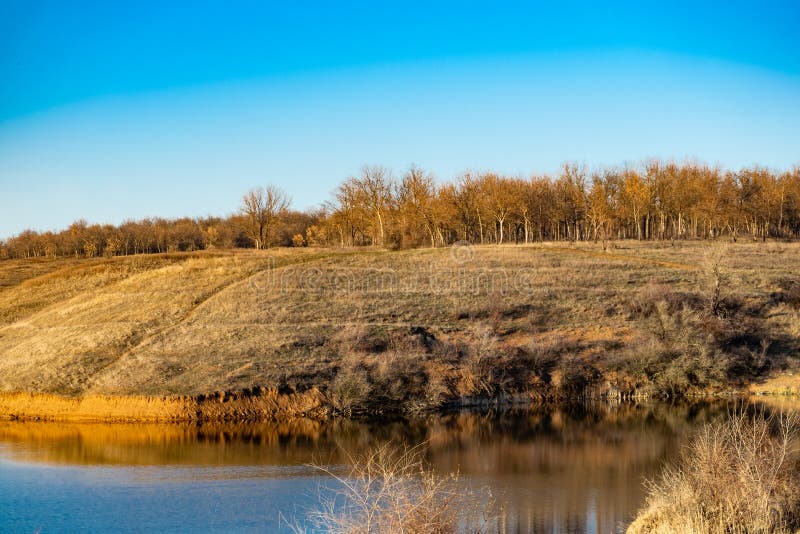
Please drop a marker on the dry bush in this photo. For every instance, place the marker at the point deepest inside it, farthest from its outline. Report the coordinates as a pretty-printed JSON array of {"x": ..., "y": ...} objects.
[
  {"x": 790, "y": 292},
  {"x": 572, "y": 377},
  {"x": 636, "y": 359},
  {"x": 491, "y": 369},
  {"x": 478, "y": 364},
  {"x": 644, "y": 305},
  {"x": 736, "y": 476},
  {"x": 543, "y": 356},
  {"x": 687, "y": 346},
  {"x": 399, "y": 379},
  {"x": 348, "y": 336},
  {"x": 689, "y": 373},
  {"x": 714, "y": 275},
  {"x": 792, "y": 295},
  {"x": 391, "y": 490},
  {"x": 359, "y": 338},
  {"x": 437, "y": 388},
  {"x": 677, "y": 329},
  {"x": 649, "y": 369},
  {"x": 794, "y": 325},
  {"x": 685, "y": 356},
  {"x": 349, "y": 390}
]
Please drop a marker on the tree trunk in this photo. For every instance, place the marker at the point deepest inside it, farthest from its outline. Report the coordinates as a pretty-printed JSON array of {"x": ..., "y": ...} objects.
[{"x": 500, "y": 239}]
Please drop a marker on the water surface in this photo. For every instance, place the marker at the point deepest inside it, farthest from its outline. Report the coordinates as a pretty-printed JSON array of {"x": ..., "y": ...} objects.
[{"x": 563, "y": 470}]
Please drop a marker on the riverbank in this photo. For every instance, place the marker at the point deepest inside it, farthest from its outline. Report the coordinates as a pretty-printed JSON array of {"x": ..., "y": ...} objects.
[
  {"x": 262, "y": 405},
  {"x": 266, "y": 405}
]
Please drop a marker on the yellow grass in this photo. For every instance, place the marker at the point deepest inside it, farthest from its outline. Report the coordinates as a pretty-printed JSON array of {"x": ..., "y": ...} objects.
[
  {"x": 262, "y": 405},
  {"x": 736, "y": 476},
  {"x": 787, "y": 383}
]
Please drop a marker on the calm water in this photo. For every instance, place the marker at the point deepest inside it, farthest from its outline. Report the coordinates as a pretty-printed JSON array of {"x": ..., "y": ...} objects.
[{"x": 568, "y": 470}]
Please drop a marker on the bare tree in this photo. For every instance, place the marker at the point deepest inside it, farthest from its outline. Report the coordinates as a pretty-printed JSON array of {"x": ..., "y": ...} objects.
[
  {"x": 416, "y": 198},
  {"x": 374, "y": 188},
  {"x": 499, "y": 200},
  {"x": 715, "y": 273},
  {"x": 652, "y": 200},
  {"x": 262, "y": 207}
]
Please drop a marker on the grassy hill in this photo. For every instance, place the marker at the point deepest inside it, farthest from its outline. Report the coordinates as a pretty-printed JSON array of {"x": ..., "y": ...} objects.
[{"x": 407, "y": 329}]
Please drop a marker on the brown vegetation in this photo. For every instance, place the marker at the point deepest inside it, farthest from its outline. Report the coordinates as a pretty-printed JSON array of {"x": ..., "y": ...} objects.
[
  {"x": 391, "y": 490},
  {"x": 740, "y": 475},
  {"x": 255, "y": 405}
]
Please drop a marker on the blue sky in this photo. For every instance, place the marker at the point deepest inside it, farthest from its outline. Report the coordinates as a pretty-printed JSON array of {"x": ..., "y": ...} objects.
[{"x": 115, "y": 110}]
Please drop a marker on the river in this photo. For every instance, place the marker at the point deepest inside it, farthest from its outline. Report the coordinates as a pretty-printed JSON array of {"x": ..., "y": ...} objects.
[{"x": 578, "y": 469}]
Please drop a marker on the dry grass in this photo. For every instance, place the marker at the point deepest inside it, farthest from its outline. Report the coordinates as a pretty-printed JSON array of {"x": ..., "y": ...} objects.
[
  {"x": 264, "y": 404},
  {"x": 377, "y": 330},
  {"x": 740, "y": 475},
  {"x": 391, "y": 490}
]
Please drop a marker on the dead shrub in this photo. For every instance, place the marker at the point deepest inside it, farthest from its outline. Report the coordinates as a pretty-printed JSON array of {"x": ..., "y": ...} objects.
[
  {"x": 637, "y": 361},
  {"x": 543, "y": 357},
  {"x": 398, "y": 379},
  {"x": 793, "y": 326},
  {"x": 392, "y": 490},
  {"x": 677, "y": 356},
  {"x": 424, "y": 337},
  {"x": 714, "y": 275},
  {"x": 685, "y": 373},
  {"x": 373, "y": 341},
  {"x": 363, "y": 339},
  {"x": 572, "y": 376},
  {"x": 653, "y": 370},
  {"x": 437, "y": 387},
  {"x": 349, "y": 390},
  {"x": 789, "y": 294},
  {"x": 653, "y": 294},
  {"x": 675, "y": 329},
  {"x": 477, "y": 366},
  {"x": 737, "y": 476}
]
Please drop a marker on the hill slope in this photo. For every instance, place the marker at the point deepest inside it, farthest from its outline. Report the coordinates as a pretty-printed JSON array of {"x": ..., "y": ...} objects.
[{"x": 413, "y": 327}]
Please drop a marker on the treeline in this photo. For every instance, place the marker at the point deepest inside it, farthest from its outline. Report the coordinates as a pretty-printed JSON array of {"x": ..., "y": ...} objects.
[
  {"x": 654, "y": 201},
  {"x": 147, "y": 236}
]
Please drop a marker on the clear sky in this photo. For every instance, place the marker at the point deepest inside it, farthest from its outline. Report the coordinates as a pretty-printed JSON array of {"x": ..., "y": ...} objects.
[{"x": 116, "y": 110}]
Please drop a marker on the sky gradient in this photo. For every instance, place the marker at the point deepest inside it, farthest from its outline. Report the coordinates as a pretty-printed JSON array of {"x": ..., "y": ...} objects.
[{"x": 112, "y": 110}]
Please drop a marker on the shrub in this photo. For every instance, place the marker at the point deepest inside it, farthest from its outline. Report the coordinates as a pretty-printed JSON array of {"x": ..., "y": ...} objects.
[
  {"x": 399, "y": 380},
  {"x": 644, "y": 305},
  {"x": 714, "y": 275},
  {"x": 364, "y": 339},
  {"x": 736, "y": 476},
  {"x": 684, "y": 372},
  {"x": 789, "y": 294},
  {"x": 298, "y": 240},
  {"x": 478, "y": 363},
  {"x": 542, "y": 358},
  {"x": 686, "y": 345},
  {"x": 390, "y": 490},
  {"x": 349, "y": 391},
  {"x": 572, "y": 376}
]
